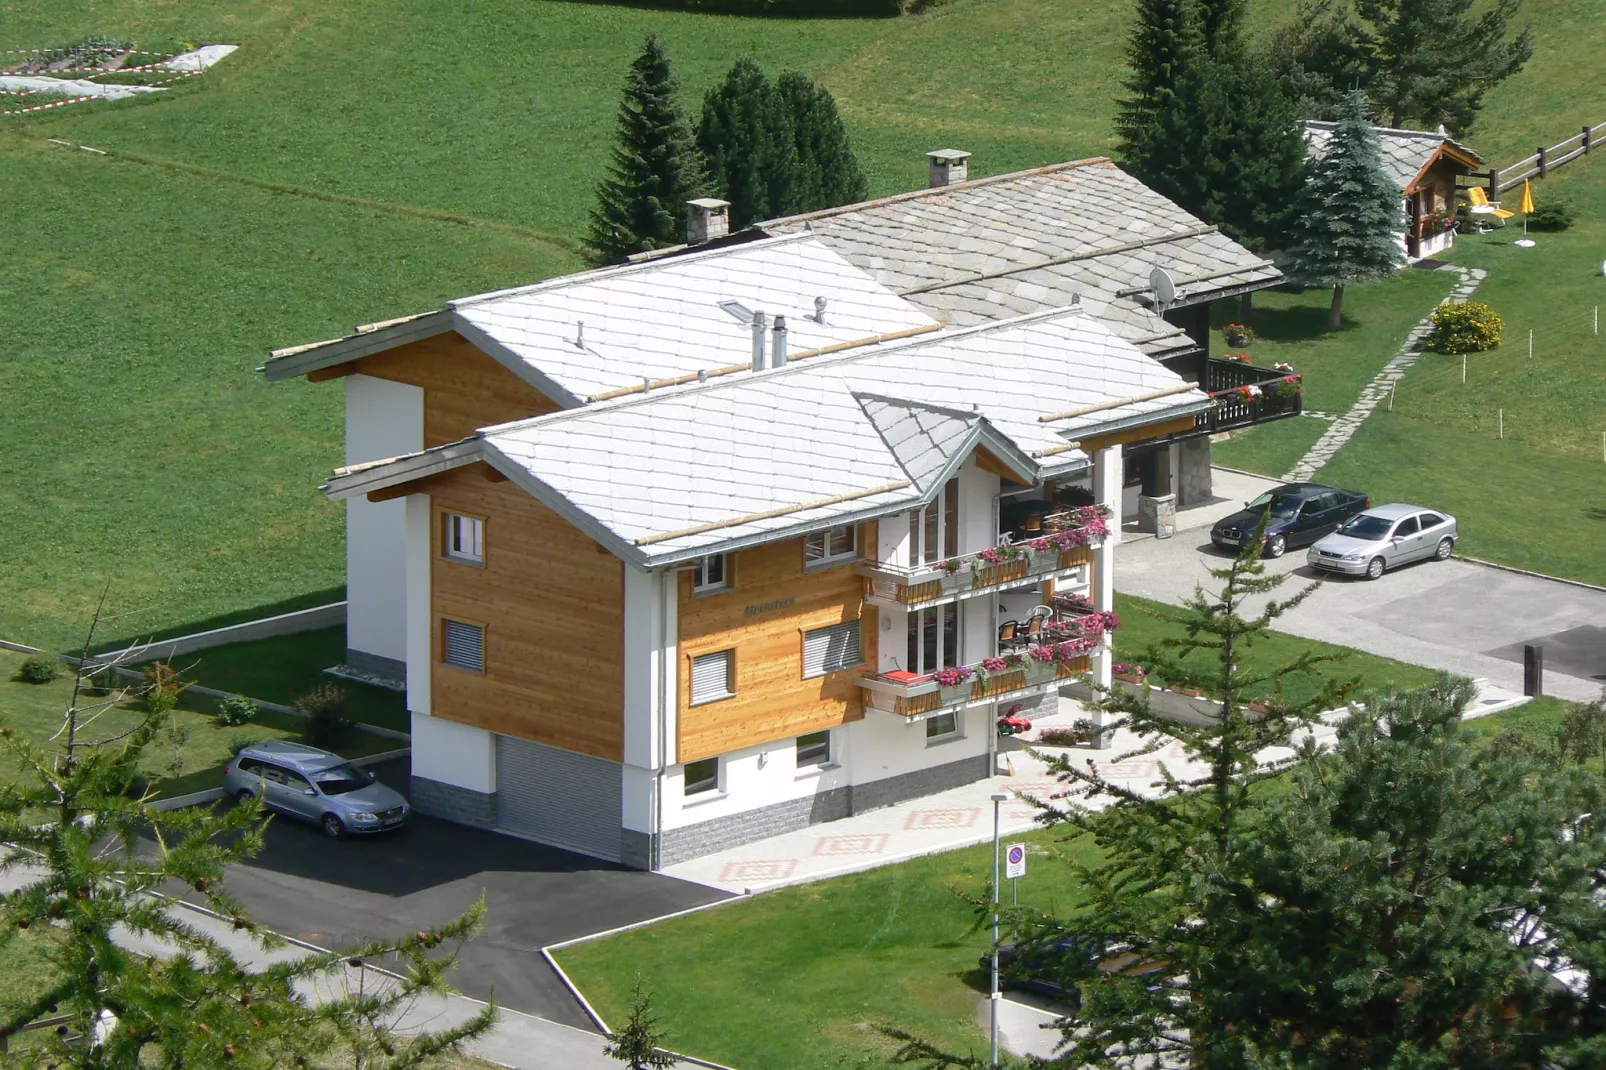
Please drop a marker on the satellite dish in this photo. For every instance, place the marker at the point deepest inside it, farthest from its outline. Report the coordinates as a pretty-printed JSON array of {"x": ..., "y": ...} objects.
[{"x": 1164, "y": 287}]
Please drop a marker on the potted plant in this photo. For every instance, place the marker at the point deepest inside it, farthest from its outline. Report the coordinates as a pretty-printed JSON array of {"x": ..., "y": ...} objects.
[
  {"x": 1132, "y": 673},
  {"x": 1240, "y": 334},
  {"x": 1040, "y": 664},
  {"x": 955, "y": 683}
]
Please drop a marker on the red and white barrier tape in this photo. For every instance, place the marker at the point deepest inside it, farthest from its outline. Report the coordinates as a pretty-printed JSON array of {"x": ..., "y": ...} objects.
[{"x": 79, "y": 100}]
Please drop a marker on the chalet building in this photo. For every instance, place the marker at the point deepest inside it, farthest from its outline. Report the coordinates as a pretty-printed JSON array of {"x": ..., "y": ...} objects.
[
  {"x": 970, "y": 251},
  {"x": 686, "y": 553},
  {"x": 1425, "y": 166}
]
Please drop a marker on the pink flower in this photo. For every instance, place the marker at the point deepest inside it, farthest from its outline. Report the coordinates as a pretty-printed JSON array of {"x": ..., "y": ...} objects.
[
  {"x": 993, "y": 664},
  {"x": 1044, "y": 654},
  {"x": 953, "y": 676}
]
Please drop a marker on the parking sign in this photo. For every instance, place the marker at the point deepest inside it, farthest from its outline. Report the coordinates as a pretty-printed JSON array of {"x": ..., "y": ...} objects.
[{"x": 1015, "y": 861}]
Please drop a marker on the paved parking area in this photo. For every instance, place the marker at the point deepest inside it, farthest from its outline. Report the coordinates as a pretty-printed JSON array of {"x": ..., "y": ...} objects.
[
  {"x": 335, "y": 893},
  {"x": 1454, "y": 615}
]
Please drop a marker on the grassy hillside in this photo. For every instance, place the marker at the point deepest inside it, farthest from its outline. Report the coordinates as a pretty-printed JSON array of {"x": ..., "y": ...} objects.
[{"x": 140, "y": 290}]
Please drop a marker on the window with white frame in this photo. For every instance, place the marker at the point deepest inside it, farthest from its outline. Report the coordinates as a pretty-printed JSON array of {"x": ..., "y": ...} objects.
[
  {"x": 709, "y": 574},
  {"x": 813, "y": 750},
  {"x": 942, "y": 726},
  {"x": 933, "y": 638},
  {"x": 465, "y": 538},
  {"x": 711, "y": 677},
  {"x": 833, "y": 544},
  {"x": 702, "y": 776},
  {"x": 934, "y": 530},
  {"x": 831, "y": 649},
  {"x": 463, "y": 645}
]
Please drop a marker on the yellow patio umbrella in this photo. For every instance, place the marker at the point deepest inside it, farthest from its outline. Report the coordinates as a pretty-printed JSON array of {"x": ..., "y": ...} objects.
[{"x": 1526, "y": 207}]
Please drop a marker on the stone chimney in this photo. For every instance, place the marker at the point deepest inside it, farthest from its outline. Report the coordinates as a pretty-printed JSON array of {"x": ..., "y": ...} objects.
[
  {"x": 948, "y": 166},
  {"x": 707, "y": 218}
]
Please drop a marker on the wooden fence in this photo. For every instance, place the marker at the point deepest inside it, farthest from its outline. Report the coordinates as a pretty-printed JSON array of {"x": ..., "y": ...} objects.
[{"x": 1498, "y": 180}]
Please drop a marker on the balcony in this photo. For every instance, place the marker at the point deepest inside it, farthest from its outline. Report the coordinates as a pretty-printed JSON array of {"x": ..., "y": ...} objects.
[
  {"x": 1063, "y": 553},
  {"x": 1246, "y": 394},
  {"x": 1012, "y": 676}
]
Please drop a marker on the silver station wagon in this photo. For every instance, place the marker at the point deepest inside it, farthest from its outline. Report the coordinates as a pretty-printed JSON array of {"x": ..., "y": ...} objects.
[
  {"x": 314, "y": 785},
  {"x": 1378, "y": 539}
]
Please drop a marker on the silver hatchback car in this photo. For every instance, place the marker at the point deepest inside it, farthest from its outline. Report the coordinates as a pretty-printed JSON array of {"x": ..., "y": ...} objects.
[
  {"x": 1378, "y": 539},
  {"x": 314, "y": 785}
]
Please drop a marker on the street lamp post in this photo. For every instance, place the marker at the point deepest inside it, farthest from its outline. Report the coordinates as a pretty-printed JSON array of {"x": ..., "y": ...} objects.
[{"x": 998, "y": 800}]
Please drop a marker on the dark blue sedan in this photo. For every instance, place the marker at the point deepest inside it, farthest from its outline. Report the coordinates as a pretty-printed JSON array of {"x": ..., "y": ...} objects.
[{"x": 1301, "y": 513}]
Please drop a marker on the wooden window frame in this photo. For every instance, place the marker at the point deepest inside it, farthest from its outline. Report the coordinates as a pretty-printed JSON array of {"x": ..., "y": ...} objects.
[
  {"x": 485, "y": 645},
  {"x": 443, "y": 550}
]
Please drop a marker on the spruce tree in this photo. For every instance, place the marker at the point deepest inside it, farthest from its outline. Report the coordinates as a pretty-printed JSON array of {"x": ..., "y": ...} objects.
[
  {"x": 828, "y": 173},
  {"x": 1221, "y": 25},
  {"x": 1258, "y": 151},
  {"x": 142, "y": 981},
  {"x": 1160, "y": 54},
  {"x": 656, "y": 167},
  {"x": 746, "y": 136},
  {"x": 1350, "y": 219},
  {"x": 640, "y": 1044},
  {"x": 1433, "y": 61}
]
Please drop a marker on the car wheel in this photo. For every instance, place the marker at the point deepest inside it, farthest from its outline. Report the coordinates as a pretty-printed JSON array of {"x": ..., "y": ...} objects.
[
  {"x": 1446, "y": 545},
  {"x": 1276, "y": 546},
  {"x": 244, "y": 796},
  {"x": 332, "y": 827},
  {"x": 1374, "y": 569}
]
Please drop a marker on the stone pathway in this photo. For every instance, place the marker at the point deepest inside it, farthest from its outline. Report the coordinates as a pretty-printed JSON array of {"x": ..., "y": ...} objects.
[{"x": 1344, "y": 427}]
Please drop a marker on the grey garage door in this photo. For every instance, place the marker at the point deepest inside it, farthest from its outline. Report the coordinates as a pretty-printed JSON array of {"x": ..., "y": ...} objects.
[{"x": 559, "y": 796}]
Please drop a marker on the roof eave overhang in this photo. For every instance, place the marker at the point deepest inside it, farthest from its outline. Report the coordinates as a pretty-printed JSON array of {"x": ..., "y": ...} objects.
[
  {"x": 1052, "y": 466},
  {"x": 356, "y": 346}
]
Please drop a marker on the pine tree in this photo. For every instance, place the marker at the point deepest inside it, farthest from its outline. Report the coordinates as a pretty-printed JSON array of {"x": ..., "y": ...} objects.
[
  {"x": 828, "y": 173},
  {"x": 656, "y": 167},
  {"x": 1350, "y": 220},
  {"x": 746, "y": 136},
  {"x": 639, "y": 1045},
  {"x": 143, "y": 982},
  {"x": 1433, "y": 61},
  {"x": 1258, "y": 151}
]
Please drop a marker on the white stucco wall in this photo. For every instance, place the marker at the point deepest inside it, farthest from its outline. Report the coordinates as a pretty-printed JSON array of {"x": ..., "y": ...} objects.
[
  {"x": 454, "y": 753},
  {"x": 383, "y": 419},
  {"x": 651, "y": 627},
  {"x": 418, "y": 626}
]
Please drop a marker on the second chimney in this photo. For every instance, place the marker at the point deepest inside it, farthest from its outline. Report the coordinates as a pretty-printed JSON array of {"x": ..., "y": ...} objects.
[
  {"x": 707, "y": 218},
  {"x": 948, "y": 166},
  {"x": 758, "y": 342},
  {"x": 778, "y": 343}
]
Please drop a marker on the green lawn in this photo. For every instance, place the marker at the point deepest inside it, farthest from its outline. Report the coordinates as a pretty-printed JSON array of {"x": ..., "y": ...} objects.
[
  {"x": 797, "y": 979},
  {"x": 136, "y": 443},
  {"x": 1141, "y": 627},
  {"x": 284, "y": 668},
  {"x": 199, "y": 745}
]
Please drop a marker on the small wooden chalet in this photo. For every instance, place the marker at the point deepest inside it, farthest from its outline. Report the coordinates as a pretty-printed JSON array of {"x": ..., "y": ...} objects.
[{"x": 1425, "y": 165}]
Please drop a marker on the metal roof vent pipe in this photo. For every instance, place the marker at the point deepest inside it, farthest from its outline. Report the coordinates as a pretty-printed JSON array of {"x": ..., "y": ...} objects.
[
  {"x": 948, "y": 166},
  {"x": 707, "y": 218},
  {"x": 819, "y": 311},
  {"x": 778, "y": 343},
  {"x": 758, "y": 341}
]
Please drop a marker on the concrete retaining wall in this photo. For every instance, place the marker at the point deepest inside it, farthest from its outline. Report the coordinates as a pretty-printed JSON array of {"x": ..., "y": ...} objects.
[{"x": 302, "y": 620}]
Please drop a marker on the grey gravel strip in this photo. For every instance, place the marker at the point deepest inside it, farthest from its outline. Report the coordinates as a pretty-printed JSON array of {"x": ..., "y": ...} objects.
[{"x": 1344, "y": 427}]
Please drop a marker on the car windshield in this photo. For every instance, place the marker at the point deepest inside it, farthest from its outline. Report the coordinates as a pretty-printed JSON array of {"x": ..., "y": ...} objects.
[
  {"x": 1370, "y": 528},
  {"x": 1282, "y": 505},
  {"x": 340, "y": 779}
]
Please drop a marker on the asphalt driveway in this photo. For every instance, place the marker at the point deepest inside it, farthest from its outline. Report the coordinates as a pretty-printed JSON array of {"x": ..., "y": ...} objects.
[
  {"x": 337, "y": 893},
  {"x": 1455, "y": 615}
]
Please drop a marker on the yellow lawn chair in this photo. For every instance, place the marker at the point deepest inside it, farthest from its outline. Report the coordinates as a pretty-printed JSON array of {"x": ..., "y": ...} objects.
[{"x": 1481, "y": 208}]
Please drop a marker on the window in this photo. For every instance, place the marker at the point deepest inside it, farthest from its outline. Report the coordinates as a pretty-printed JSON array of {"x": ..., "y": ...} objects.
[
  {"x": 833, "y": 544},
  {"x": 1407, "y": 527},
  {"x": 830, "y": 649},
  {"x": 711, "y": 677},
  {"x": 1431, "y": 520},
  {"x": 813, "y": 749},
  {"x": 702, "y": 776},
  {"x": 934, "y": 530},
  {"x": 933, "y": 638},
  {"x": 464, "y": 646},
  {"x": 942, "y": 726},
  {"x": 709, "y": 575},
  {"x": 465, "y": 538}
]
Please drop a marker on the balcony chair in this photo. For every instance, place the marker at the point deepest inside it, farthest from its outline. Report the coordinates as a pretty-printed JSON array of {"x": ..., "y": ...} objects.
[{"x": 1009, "y": 637}]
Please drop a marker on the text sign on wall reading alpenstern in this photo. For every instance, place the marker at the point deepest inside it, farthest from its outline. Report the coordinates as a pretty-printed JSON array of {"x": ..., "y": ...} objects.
[{"x": 1015, "y": 861}]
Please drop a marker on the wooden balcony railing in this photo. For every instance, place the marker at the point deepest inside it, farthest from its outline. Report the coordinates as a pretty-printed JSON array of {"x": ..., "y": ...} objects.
[
  {"x": 908, "y": 695},
  {"x": 1225, "y": 381}
]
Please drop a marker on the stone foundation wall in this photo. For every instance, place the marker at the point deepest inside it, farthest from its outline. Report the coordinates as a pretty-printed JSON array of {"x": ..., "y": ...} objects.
[{"x": 453, "y": 803}]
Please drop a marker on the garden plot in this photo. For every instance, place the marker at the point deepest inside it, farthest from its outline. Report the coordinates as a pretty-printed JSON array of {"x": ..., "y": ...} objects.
[{"x": 44, "y": 77}]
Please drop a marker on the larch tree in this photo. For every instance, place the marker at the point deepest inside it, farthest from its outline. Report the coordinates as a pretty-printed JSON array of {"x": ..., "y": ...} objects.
[
  {"x": 656, "y": 167},
  {"x": 746, "y": 136},
  {"x": 144, "y": 983},
  {"x": 828, "y": 174},
  {"x": 1433, "y": 61},
  {"x": 1350, "y": 219}
]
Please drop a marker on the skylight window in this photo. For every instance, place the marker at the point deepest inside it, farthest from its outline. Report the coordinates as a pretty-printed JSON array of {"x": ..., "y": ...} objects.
[{"x": 739, "y": 310}]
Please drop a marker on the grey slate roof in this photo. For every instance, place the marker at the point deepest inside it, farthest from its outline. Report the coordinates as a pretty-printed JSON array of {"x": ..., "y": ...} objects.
[
  {"x": 1015, "y": 244},
  {"x": 676, "y": 473},
  {"x": 1405, "y": 152}
]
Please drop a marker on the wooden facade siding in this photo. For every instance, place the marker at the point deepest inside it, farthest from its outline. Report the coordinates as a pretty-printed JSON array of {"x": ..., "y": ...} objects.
[
  {"x": 1173, "y": 426},
  {"x": 465, "y": 389},
  {"x": 773, "y": 600},
  {"x": 553, "y": 611}
]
